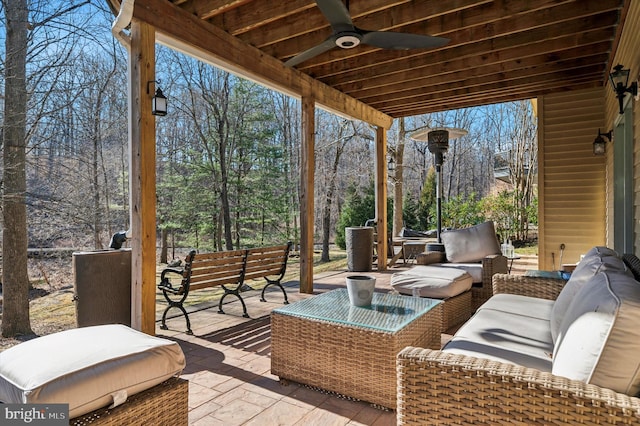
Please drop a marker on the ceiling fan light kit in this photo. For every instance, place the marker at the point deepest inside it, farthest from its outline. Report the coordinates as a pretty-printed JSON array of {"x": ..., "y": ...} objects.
[
  {"x": 348, "y": 41},
  {"x": 347, "y": 36}
]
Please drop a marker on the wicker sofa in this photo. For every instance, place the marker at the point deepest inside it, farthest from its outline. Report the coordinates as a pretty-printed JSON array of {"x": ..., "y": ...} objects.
[{"x": 504, "y": 367}]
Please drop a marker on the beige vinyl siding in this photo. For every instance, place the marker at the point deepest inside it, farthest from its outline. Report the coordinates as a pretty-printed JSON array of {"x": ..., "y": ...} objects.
[
  {"x": 572, "y": 196},
  {"x": 627, "y": 55}
]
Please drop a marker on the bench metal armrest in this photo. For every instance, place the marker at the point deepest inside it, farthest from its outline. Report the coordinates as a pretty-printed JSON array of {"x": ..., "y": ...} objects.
[{"x": 166, "y": 285}]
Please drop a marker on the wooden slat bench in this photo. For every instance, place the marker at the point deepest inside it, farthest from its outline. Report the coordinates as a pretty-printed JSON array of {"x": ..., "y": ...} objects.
[{"x": 227, "y": 269}]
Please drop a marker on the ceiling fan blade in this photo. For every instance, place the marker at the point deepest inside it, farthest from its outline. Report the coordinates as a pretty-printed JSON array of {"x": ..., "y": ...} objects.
[
  {"x": 326, "y": 45},
  {"x": 337, "y": 14},
  {"x": 401, "y": 41}
]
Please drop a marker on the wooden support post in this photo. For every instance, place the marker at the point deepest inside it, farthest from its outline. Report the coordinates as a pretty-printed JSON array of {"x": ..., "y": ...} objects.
[
  {"x": 381, "y": 196},
  {"x": 307, "y": 170},
  {"x": 142, "y": 178}
]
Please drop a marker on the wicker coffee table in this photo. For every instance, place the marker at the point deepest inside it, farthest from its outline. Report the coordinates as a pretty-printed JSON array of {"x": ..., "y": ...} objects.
[{"x": 325, "y": 342}]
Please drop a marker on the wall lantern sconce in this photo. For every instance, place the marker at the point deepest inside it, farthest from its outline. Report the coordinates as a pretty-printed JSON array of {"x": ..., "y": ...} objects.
[
  {"x": 391, "y": 165},
  {"x": 619, "y": 80},
  {"x": 599, "y": 145},
  {"x": 159, "y": 101}
]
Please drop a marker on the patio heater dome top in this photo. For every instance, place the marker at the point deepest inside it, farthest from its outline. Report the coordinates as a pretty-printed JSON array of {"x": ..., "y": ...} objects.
[{"x": 423, "y": 134}]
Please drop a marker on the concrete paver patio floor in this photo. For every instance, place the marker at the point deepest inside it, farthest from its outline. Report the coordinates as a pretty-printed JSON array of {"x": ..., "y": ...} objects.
[{"x": 228, "y": 366}]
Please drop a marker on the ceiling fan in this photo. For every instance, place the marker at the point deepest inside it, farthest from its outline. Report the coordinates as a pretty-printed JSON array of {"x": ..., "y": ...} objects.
[{"x": 348, "y": 36}]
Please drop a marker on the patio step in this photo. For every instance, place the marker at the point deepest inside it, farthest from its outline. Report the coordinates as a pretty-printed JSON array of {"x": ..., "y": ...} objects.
[{"x": 525, "y": 263}]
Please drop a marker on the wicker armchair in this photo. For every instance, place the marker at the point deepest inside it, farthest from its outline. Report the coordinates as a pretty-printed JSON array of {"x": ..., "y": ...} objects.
[{"x": 442, "y": 388}]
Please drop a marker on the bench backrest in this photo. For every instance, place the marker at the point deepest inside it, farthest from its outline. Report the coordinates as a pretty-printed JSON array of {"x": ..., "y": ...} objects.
[
  {"x": 204, "y": 270},
  {"x": 264, "y": 262}
]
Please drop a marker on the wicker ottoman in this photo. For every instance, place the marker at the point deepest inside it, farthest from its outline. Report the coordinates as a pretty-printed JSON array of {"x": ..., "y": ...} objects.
[
  {"x": 451, "y": 285},
  {"x": 106, "y": 374}
]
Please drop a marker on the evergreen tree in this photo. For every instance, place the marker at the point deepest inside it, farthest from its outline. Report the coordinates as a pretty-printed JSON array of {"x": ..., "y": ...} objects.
[
  {"x": 426, "y": 213},
  {"x": 410, "y": 209}
]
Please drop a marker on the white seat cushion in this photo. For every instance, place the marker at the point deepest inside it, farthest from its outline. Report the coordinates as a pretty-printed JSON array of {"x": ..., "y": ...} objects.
[
  {"x": 599, "y": 338},
  {"x": 521, "y": 305},
  {"x": 87, "y": 368},
  {"x": 505, "y": 337},
  {"x": 432, "y": 281}
]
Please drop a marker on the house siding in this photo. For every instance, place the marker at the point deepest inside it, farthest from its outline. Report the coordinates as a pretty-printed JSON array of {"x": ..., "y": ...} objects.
[
  {"x": 627, "y": 55},
  {"x": 572, "y": 190}
]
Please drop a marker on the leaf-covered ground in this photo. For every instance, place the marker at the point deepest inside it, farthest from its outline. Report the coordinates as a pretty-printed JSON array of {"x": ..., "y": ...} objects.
[{"x": 52, "y": 308}]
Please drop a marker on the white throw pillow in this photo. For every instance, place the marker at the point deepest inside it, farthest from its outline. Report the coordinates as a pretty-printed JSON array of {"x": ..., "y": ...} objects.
[
  {"x": 87, "y": 368},
  {"x": 599, "y": 339},
  {"x": 597, "y": 259},
  {"x": 471, "y": 244}
]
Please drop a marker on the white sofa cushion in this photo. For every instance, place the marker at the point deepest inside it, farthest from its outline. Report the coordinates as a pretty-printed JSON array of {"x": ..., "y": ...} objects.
[
  {"x": 471, "y": 244},
  {"x": 521, "y": 305},
  {"x": 596, "y": 259},
  {"x": 432, "y": 281},
  {"x": 599, "y": 339},
  {"x": 505, "y": 337},
  {"x": 87, "y": 368}
]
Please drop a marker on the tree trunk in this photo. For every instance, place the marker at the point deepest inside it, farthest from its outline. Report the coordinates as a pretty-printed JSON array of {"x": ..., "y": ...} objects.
[
  {"x": 15, "y": 315},
  {"x": 163, "y": 247},
  {"x": 326, "y": 213},
  {"x": 398, "y": 186}
]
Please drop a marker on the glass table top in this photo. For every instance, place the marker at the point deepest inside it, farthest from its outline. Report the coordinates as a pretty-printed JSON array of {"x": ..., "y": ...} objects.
[{"x": 388, "y": 312}]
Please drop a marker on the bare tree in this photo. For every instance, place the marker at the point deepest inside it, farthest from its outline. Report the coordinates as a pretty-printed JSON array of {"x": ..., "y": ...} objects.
[{"x": 15, "y": 309}]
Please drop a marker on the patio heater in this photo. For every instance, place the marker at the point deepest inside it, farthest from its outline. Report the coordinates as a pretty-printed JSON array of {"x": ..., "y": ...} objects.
[{"x": 438, "y": 144}]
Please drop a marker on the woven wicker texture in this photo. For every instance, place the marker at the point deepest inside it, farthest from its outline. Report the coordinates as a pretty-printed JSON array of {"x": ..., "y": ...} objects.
[
  {"x": 457, "y": 309},
  {"x": 351, "y": 361},
  {"x": 632, "y": 263},
  {"x": 543, "y": 288},
  {"x": 439, "y": 388},
  {"x": 165, "y": 404},
  {"x": 429, "y": 257},
  {"x": 491, "y": 265}
]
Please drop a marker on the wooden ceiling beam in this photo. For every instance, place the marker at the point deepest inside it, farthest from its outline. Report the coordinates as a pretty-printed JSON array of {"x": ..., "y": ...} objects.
[
  {"x": 269, "y": 17},
  {"x": 251, "y": 18},
  {"x": 504, "y": 71},
  {"x": 505, "y": 94},
  {"x": 185, "y": 32},
  {"x": 561, "y": 36},
  {"x": 509, "y": 87},
  {"x": 204, "y": 9},
  {"x": 499, "y": 35},
  {"x": 313, "y": 29},
  {"x": 453, "y": 91},
  {"x": 485, "y": 99},
  {"x": 502, "y": 60},
  {"x": 461, "y": 16}
]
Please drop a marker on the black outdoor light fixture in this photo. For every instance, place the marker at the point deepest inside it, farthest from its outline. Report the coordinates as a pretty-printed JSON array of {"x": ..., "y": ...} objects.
[
  {"x": 159, "y": 101},
  {"x": 599, "y": 144},
  {"x": 438, "y": 144},
  {"x": 619, "y": 81},
  {"x": 391, "y": 165}
]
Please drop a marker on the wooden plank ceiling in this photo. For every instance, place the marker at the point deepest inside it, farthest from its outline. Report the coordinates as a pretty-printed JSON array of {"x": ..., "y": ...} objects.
[{"x": 499, "y": 50}]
